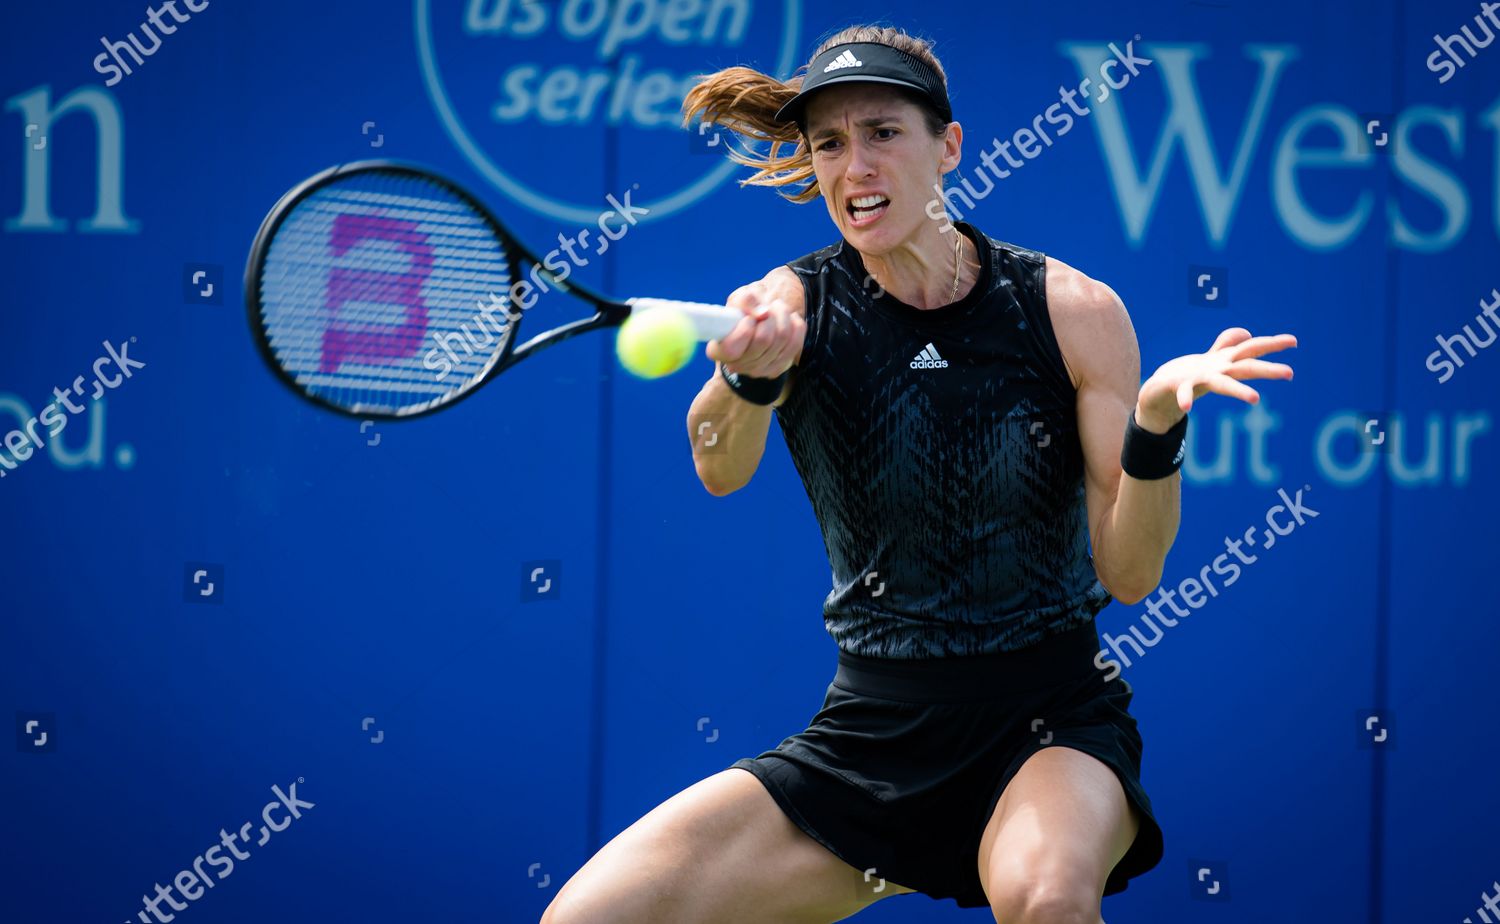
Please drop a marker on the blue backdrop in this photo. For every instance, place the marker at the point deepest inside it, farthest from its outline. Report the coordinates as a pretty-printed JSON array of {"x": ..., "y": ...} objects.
[{"x": 212, "y": 589}]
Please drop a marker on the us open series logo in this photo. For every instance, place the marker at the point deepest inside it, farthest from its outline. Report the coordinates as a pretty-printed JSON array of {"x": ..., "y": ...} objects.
[{"x": 556, "y": 73}]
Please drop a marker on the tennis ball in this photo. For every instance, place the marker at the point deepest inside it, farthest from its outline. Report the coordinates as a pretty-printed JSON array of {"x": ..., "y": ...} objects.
[{"x": 656, "y": 342}]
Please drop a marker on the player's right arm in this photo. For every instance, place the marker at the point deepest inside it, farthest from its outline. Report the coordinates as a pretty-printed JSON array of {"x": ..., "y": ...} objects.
[{"x": 728, "y": 433}]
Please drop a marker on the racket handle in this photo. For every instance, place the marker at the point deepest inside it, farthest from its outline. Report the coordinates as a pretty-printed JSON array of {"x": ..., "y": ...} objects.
[{"x": 711, "y": 321}]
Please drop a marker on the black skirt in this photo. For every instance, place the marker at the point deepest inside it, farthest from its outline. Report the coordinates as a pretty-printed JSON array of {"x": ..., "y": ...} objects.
[{"x": 901, "y": 768}]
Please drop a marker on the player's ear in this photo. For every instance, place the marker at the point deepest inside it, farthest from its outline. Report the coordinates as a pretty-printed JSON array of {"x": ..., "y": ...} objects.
[{"x": 953, "y": 139}]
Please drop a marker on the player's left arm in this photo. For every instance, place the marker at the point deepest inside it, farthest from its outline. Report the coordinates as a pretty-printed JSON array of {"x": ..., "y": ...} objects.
[{"x": 1132, "y": 522}]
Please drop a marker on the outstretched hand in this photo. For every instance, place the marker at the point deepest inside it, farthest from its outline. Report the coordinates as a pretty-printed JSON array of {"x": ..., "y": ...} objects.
[{"x": 1169, "y": 393}]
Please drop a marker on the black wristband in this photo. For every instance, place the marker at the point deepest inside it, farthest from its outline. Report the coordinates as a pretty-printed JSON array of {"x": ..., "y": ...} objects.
[
  {"x": 756, "y": 391},
  {"x": 1150, "y": 456}
]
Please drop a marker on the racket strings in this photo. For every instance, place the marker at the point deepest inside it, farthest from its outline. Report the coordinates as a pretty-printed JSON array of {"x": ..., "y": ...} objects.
[{"x": 385, "y": 293}]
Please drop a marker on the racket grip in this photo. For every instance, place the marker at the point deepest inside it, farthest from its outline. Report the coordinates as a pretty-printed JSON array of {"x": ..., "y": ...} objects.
[{"x": 711, "y": 321}]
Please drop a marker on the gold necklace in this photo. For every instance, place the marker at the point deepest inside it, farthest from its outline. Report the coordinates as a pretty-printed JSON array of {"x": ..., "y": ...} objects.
[{"x": 958, "y": 249}]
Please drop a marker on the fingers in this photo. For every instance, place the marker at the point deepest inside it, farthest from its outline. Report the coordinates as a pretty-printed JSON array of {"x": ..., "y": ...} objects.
[
  {"x": 1229, "y": 338},
  {"x": 750, "y": 299},
  {"x": 731, "y": 347},
  {"x": 764, "y": 343},
  {"x": 1221, "y": 384},
  {"x": 779, "y": 342},
  {"x": 1258, "y": 369},
  {"x": 1260, "y": 346},
  {"x": 796, "y": 336},
  {"x": 1185, "y": 395},
  {"x": 782, "y": 354},
  {"x": 1221, "y": 370}
]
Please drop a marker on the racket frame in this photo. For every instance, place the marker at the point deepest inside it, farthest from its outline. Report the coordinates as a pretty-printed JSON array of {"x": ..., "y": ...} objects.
[{"x": 607, "y": 312}]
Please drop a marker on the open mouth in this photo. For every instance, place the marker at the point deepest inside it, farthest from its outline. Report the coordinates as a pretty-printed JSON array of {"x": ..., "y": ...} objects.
[{"x": 864, "y": 210}]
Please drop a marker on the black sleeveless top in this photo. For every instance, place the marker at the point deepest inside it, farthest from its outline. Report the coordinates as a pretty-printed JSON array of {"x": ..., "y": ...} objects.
[{"x": 940, "y": 451}]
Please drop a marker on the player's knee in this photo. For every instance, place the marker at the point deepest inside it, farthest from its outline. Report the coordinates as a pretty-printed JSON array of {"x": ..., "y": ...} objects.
[
  {"x": 639, "y": 877},
  {"x": 554, "y": 913},
  {"x": 583, "y": 901},
  {"x": 570, "y": 905},
  {"x": 1043, "y": 892},
  {"x": 1041, "y": 905},
  {"x": 567, "y": 911}
]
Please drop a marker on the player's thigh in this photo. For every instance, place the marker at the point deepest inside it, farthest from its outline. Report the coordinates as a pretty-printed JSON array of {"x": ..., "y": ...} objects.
[
  {"x": 720, "y": 850},
  {"x": 1059, "y": 828}
]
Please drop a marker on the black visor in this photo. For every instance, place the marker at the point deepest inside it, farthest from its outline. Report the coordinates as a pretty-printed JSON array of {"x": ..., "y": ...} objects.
[{"x": 868, "y": 62}]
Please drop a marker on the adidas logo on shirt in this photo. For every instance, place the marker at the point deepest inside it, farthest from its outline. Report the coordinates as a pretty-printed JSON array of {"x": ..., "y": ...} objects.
[
  {"x": 929, "y": 359},
  {"x": 846, "y": 59}
]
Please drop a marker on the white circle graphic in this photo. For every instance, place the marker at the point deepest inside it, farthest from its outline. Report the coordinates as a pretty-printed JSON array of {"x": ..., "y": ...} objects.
[{"x": 540, "y": 202}]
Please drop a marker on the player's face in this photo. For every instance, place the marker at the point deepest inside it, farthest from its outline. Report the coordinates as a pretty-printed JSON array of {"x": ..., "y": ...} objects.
[{"x": 876, "y": 162}]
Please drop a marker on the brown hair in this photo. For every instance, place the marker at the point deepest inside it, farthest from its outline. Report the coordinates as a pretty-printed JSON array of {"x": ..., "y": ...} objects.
[{"x": 745, "y": 101}]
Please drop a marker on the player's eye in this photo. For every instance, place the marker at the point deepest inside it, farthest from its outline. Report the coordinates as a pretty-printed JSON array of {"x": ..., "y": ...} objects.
[{"x": 885, "y": 134}]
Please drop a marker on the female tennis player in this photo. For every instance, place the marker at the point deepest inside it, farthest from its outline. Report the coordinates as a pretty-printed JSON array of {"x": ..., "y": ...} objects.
[{"x": 968, "y": 419}]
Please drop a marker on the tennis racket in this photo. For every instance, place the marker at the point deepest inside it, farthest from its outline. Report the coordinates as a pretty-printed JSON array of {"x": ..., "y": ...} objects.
[{"x": 382, "y": 290}]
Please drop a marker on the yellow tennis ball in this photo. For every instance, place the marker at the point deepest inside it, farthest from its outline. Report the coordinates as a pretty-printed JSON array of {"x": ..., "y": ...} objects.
[{"x": 656, "y": 342}]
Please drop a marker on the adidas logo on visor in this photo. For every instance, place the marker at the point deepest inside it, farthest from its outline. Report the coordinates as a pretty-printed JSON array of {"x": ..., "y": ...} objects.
[
  {"x": 929, "y": 359},
  {"x": 846, "y": 59}
]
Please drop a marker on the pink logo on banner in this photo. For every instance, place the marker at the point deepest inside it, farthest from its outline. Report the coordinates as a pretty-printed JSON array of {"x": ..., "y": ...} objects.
[{"x": 380, "y": 343}]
